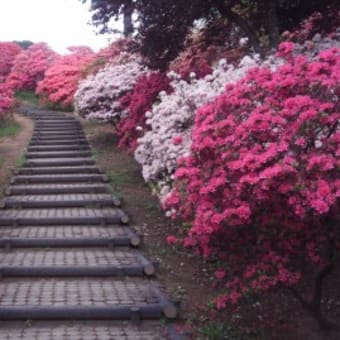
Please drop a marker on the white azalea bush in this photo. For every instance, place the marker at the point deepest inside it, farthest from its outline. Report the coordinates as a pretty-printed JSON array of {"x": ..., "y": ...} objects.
[
  {"x": 171, "y": 120},
  {"x": 98, "y": 95}
]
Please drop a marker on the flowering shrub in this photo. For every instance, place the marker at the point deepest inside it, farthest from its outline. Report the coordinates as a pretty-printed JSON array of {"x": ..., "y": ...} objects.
[
  {"x": 193, "y": 60},
  {"x": 320, "y": 24},
  {"x": 29, "y": 67},
  {"x": 8, "y": 51},
  {"x": 61, "y": 78},
  {"x": 261, "y": 186},
  {"x": 106, "y": 54},
  {"x": 6, "y": 99},
  {"x": 98, "y": 95},
  {"x": 137, "y": 103},
  {"x": 171, "y": 120}
]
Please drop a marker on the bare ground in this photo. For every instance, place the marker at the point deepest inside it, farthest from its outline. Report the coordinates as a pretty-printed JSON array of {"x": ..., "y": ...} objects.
[{"x": 12, "y": 149}]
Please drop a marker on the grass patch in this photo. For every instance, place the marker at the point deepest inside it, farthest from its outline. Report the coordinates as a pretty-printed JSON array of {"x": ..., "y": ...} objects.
[
  {"x": 1, "y": 161},
  {"x": 122, "y": 177},
  {"x": 9, "y": 128},
  {"x": 152, "y": 206},
  {"x": 57, "y": 107},
  {"x": 27, "y": 97},
  {"x": 20, "y": 161}
]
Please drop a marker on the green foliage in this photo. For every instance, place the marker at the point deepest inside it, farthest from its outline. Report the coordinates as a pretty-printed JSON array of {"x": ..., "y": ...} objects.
[
  {"x": 225, "y": 330},
  {"x": 214, "y": 331},
  {"x": 27, "y": 97},
  {"x": 9, "y": 127},
  {"x": 20, "y": 161},
  {"x": 121, "y": 177},
  {"x": 25, "y": 44}
]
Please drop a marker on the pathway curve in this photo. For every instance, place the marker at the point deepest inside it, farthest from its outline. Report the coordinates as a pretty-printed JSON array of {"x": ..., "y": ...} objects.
[{"x": 67, "y": 252}]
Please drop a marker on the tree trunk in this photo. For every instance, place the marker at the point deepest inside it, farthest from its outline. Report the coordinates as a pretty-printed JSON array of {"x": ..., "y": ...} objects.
[
  {"x": 314, "y": 305},
  {"x": 128, "y": 11},
  {"x": 272, "y": 22},
  {"x": 232, "y": 16}
]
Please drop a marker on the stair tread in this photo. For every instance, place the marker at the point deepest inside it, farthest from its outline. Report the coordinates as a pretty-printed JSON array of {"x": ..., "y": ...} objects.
[
  {"x": 64, "y": 257},
  {"x": 85, "y": 330},
  {"x": 59, "y": 212},
  {"x": 64, "y": 232},
  {"x": 57, "y": 292}
]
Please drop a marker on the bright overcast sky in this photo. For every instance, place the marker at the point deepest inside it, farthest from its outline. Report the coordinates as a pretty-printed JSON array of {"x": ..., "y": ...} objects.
[{"x": 60, "y": 23}]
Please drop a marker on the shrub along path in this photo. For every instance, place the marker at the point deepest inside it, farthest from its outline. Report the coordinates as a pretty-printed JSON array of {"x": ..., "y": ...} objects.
[{"x": 67, "y": 252}]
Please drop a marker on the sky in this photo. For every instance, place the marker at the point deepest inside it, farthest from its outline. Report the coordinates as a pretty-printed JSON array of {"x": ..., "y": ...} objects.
[{"x": 60, "y": 23}]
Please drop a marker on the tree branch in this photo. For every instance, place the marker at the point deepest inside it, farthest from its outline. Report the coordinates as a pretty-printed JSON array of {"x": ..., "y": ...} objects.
[
  {"x": 227, "y": 12},
  {"x": 272, "y": 22}
]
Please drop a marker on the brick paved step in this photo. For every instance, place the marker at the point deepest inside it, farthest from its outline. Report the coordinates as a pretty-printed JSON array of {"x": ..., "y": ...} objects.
[
  {"x": 83, "y": 330},
  {"x": 51, "y": 189},
  {"x": 46, "y": 138},
  {"x": 80, "y": 141},
  {"x": 53, "y": 148},
  {"x": 60, "y": 216},
  {"x": 68, "y": 262},
  {"x": 57, "y": 130},
  {"x": 57, "y": 136},
  {"x": 57, "y": 126},
  {"x": 71, "y": 131},
  {"x": 68, "y": 236},
  {"x": 57, "y": 201},
  {"x": 60, "y": 178},
  {"x": 59, "y": 161},
  {"x": 85, "y": 169},
  {"x": 52, "y": 119},
  {"x": 81, "y": 299},
  {"x": 57, "y": 122},
  {"x": 41, "y": 130},
  {"x": 58, "y": 154},
  {"x": 40, "y": 127},
  {"x": 39, "y": 123}
]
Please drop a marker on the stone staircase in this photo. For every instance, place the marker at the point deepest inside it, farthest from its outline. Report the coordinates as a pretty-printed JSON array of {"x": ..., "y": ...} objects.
[{"x": 70, "y": 266}]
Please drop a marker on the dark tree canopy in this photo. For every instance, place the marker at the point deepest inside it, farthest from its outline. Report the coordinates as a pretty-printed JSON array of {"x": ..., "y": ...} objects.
[
  {"x": 164, "y": 24},
  {"x": 105, "y": 10},
  {"x": 25, "y": 44}
]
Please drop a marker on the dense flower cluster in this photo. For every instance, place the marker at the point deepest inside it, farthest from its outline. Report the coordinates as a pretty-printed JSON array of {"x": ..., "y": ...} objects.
[
  {"x": 137, "y": 103},
  {"x": 192, "y": 60},
  {"x": 171, "y": 121},
  {"x": 98, "y": 95},
  {"x": 320, "y": 24},
  {"x": 6, "y": 99},
  {"x": 8, "y": 52},
  {"x": 260, "y": 185},
  {"x": 106, "y": 54},
  {"x": 61, "y": 78},
  {"x": 29, "y": 67}
]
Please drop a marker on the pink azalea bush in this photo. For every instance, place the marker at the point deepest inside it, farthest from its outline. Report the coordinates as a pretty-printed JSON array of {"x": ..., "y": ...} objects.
[
  {"x": 8, "y": 52},
  {"x": 29, "y": 67},
  {"x": 61, "y": 78},
  {"x": 6, "y": 99},
  {"x": 193, "y": 60},
  {"x": 260, "y": 186},
  {"x": 322, "y": 23},
  {"x": 137, "y": 103},
  {"x": 107, "y": 54}
]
